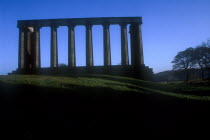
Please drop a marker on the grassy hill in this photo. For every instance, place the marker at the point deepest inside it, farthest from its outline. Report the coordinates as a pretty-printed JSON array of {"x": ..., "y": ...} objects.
[
  {"x": 197, "y": 90},
  {"x": 60, "y": 104}
]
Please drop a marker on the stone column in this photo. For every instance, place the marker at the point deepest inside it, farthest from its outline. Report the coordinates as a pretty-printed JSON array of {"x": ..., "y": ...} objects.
[
  {"x": 21, "y": 49},
  {"x": 36, "y": 48},
  {"x": 141, "y": 45},
  {"x": 71, "y": 47},
  {"x": 27, "y": 48},
  {"x": 89, "y": 45},
  {"x": 54, "y": 47},
  {"x": 136, "y": 45},
  {"x": 107, "y": 51},
  {"x": 124, "y": 45}
]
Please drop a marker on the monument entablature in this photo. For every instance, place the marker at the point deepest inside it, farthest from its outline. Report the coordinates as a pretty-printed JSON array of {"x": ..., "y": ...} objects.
[{"x": 80, "y": 21}]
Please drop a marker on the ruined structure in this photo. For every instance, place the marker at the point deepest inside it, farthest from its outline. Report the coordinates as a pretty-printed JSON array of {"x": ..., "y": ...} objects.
[{"x": 29, "y": 47}]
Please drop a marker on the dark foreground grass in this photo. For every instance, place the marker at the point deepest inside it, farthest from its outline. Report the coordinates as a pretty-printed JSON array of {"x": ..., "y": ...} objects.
[{"x": 36, "y": 107}]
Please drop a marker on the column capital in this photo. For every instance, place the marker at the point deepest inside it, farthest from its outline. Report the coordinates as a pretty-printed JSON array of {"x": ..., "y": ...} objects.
[
  {"x": 37, "y": 27},
  {"x": 88, "y": 25},
  {"x": 22, "y": 27},
  {"x": 54, "y": 26},
  {"x": 71, "y": 25},
  {"x": 105, "y": 25},
  {"x": 135, "y": 24},
  {"x": 123, "y": 24}
]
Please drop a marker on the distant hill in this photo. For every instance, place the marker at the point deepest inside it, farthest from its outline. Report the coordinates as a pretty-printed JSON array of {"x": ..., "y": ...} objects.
[{"x": 179, "y": 75}]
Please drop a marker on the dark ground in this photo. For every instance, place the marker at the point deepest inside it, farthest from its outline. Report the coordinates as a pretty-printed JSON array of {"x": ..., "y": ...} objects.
[{"x": 30, "y": 112}]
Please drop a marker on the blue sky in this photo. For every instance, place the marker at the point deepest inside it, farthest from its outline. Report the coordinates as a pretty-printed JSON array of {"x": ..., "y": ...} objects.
[{"x": 169, "y": 26}]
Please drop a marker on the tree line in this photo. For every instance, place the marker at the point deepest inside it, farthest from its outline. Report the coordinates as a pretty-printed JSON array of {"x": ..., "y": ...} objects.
[{"x": 194, "y": 58}]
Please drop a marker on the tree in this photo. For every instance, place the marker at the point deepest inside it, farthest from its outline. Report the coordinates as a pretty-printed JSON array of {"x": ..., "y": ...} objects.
[
  {"x": 202, "y": 58},
  {"x": 208, "y": 43},
  {"x": 184, "y": 60}
]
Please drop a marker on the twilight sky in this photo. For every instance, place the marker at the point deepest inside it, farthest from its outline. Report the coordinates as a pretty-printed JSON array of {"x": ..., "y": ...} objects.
[{"x": 169, "y": 26}]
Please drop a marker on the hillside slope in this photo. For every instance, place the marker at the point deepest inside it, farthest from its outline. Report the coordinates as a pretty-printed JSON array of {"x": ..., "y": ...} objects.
[
  {"x": 98, "y": 83},
  {"x": 106, "y": 103}
]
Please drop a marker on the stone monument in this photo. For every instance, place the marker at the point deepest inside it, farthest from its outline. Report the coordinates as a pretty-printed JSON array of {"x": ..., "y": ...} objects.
[{"x": 29, "y": 47}]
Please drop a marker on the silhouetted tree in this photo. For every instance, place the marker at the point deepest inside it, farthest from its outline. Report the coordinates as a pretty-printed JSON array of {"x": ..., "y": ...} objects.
[
  {"x": 208, "y": 43},
  {"x": 202, "y": 58},
  {"x": 184, "y": 60}
]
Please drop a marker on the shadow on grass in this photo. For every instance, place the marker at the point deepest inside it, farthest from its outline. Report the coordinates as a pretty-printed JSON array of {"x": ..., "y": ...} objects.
[{"x": 31, "y": 112}]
